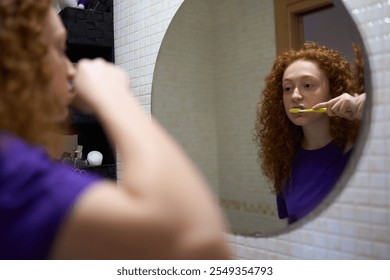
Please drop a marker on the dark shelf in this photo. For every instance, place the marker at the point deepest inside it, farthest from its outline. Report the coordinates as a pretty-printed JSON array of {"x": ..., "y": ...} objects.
[
  {"x": 78, "y": 118},
  {"x": 76, "y": 52},
  {"x": 91, "y": 35},
  {"x": 87, "y": 27},
  {"x": 106, "y": 170}
]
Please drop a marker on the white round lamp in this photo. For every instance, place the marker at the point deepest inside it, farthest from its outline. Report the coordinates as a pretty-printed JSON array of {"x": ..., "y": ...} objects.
[{"x": 95, "y": 158}]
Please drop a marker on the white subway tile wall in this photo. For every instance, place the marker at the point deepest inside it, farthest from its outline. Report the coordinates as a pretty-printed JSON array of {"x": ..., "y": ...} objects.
[{"x": 357, "y": 224}]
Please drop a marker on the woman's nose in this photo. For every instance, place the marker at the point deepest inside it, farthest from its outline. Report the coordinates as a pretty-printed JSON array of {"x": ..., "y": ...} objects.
[{"x": 296, "y": 94}]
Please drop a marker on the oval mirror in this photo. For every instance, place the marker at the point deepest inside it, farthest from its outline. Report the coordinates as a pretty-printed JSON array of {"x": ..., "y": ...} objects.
[{"x": 208, "y": 78}]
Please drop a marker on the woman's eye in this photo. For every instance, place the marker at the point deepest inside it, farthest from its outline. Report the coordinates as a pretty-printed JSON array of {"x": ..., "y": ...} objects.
[
  {"x": 287, "y": 89},
  {"x": 307, "y": 85}
]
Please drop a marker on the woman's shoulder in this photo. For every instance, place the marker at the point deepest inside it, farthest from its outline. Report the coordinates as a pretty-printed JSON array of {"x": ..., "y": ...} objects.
[
  {"x": 25, "y": 164},
  {"x": 37, "y": 192},
  {"x": 20, "y": 158},
  {"x": 11, "y": 146},
  {"x": 348, "y": 148}
]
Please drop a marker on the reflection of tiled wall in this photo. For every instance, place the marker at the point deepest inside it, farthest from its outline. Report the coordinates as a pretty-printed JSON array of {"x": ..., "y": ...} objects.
[
  {"x": 357, "y": 224},
  {"x": 243, "y": 54},
  {"x": 183, "y": 98}
]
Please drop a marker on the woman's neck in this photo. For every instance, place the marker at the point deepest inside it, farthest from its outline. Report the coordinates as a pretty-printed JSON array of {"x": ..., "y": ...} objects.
[{"x": 316, "y": 136}]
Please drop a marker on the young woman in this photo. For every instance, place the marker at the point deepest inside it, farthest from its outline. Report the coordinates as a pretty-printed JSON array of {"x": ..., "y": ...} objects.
[
  {"x": 46, "y": 210},
  {"x": 304, "y": 153}
]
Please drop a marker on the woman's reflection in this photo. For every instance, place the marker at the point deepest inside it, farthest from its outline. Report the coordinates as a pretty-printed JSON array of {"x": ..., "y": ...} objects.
[{"x": 304, "y": 153}]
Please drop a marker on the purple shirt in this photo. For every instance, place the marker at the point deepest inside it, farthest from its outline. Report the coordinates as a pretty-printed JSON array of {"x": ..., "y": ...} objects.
[
  {"x": 36, "y": 195},
  {"x": 313, "y": 175}
]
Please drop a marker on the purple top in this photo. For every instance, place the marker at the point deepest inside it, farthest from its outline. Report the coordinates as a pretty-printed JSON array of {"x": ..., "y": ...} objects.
[
  {"x": 36, "y": 195},
  {"x": 313, "y": 175}
]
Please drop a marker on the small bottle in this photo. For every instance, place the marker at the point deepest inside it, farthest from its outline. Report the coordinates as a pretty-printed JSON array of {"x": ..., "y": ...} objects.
[
  {"x": 78, "y": 161},
  {"x": 82, "y": 4}
]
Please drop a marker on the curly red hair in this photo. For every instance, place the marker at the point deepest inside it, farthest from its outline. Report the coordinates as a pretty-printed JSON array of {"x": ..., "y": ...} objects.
[
  {"x": 276, "y": 136},
  {"x": 26, "y": 105}
]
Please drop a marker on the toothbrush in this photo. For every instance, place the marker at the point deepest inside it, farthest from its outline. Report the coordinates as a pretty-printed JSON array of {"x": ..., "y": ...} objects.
[{"x": 297, "y": 110}]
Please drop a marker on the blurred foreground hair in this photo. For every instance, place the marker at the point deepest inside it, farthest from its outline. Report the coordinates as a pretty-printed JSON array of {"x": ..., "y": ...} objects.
[{"x": 26, "y": 105}]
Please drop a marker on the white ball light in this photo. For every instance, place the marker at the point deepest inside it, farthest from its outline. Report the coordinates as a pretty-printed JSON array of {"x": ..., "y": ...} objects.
[{"x": 95, "y": 158}]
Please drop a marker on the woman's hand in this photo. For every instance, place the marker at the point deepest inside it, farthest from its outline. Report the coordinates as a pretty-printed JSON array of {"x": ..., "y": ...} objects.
[
  {"x": 346, "y": 106},
  {"x": 97, "y": 83}
]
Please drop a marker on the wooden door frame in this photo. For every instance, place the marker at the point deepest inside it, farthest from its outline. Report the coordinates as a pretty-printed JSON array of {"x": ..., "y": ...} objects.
[{"x": 289, "y": 21}]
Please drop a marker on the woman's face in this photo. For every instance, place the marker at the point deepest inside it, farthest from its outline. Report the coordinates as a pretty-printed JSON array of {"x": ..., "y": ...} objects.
[
  {"x": 304, "y": 85},
  {"x": 61, "y": 67}
]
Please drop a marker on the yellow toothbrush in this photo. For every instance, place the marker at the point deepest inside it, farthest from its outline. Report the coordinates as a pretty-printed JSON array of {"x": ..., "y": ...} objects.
[{"x": 297, "y": 110}]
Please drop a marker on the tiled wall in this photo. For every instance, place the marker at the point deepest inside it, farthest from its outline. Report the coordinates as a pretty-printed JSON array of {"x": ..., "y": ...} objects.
[{"x": 357, "y": 224}]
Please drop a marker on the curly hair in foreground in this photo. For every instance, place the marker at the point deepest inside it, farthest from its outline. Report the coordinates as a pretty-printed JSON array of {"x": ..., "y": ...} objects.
[
  {"x": 26, "y": 105},
  {"x": 276, "y": 136}
]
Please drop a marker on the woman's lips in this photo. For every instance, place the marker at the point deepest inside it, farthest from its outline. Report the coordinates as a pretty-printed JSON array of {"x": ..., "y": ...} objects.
[
  {"x": 71, "y": 87},
  {"x": 298, "y": 107}
]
